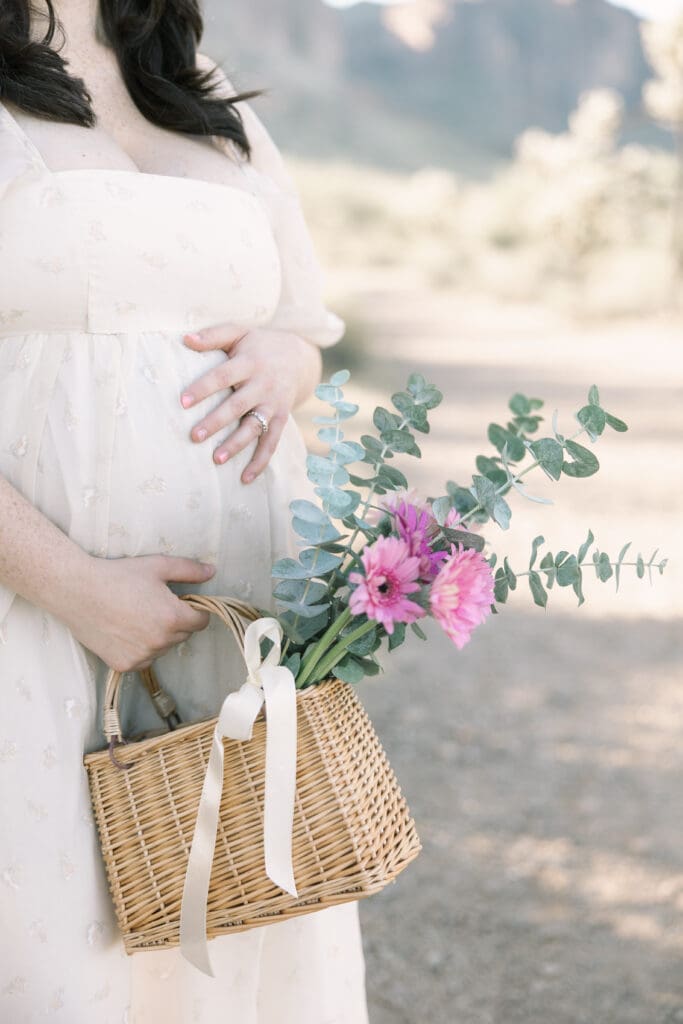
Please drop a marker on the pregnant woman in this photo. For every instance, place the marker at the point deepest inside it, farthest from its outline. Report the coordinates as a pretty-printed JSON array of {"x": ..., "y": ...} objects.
[{"x": 160, "y": 318}]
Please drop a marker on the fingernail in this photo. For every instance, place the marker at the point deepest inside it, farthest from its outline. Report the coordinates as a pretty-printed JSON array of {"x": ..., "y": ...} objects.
[
  {"x": 248, "y": 477},
  {"x": 186, "y": 400},
  {"x": 193, "y": 336},
  {"x": 221, "y": 457},
  {"x": 208, "y": 568},
  {"x": 200, "y": 434}
]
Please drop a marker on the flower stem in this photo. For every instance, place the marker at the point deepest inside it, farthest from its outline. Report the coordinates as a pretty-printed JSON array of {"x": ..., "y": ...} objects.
[
  {"x": 337, "y": 652},
  {"x": 318, "y": 650}
]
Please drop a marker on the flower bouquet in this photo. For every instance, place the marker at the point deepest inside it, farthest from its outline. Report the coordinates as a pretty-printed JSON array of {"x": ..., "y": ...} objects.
[{"x": 403, "y": 558}]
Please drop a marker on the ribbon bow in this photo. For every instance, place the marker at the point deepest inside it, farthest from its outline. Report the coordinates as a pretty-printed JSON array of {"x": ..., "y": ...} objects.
[{"x": 266, "y": 681}]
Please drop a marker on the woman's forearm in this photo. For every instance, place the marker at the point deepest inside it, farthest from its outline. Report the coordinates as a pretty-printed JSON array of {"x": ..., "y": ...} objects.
[{"x": 37, "y": 560}]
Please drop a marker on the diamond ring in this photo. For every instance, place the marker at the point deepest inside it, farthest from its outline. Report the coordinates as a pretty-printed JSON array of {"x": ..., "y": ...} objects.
[{"x": 261, "y": 418}]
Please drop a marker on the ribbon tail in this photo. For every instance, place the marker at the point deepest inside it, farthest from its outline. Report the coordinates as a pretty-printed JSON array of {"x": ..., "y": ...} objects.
[
  {"x": 196, "y": 889},
  {"x": 281, "y": 742}
]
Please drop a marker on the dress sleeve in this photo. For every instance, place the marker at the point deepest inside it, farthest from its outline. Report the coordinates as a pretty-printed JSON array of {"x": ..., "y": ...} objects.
[{"x": 301, "y": 307}]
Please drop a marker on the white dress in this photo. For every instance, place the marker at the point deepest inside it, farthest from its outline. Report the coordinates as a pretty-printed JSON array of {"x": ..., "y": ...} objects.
[{"x": 101, "y": 273}]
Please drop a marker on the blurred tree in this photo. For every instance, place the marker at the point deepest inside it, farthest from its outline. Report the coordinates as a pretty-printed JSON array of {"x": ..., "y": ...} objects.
[{"x": 663, "y": 98}]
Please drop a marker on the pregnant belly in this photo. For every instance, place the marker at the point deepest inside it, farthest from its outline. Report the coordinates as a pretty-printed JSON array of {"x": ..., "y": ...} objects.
[{"x": 107, "y": 456}]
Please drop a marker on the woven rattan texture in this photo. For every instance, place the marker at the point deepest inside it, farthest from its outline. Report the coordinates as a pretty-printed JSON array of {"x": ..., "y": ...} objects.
[{"x": 352, "y": 834}]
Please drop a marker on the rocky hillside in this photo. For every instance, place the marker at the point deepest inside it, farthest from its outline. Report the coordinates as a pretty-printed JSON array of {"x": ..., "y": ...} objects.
[{"x": 448, "y": 82}]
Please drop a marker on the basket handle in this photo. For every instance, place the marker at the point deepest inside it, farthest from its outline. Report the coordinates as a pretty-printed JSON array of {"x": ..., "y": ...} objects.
[{"x": 230, "y": 610}]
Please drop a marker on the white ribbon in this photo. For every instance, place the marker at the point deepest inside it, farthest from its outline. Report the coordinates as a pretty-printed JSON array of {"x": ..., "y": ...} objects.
[{"x": 266, "y": 681}]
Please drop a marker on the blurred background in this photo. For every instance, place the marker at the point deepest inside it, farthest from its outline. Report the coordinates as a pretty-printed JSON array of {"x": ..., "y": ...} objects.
[{"x": 495, "y": 190}]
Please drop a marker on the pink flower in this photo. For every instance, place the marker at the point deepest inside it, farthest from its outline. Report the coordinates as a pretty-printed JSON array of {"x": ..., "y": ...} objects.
[
  {"x": 462, "y": 593},
  {"x": 390, "y": 573},
  {"x": 417, "y": 526},
  {"x": 391, "y": 500}
]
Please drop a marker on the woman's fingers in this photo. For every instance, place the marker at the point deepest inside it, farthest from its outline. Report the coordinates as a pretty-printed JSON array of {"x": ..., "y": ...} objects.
[
  {"x": 243, "y": 435},
  {"x": 228, "y": 374},
  {"x": 236, "y": 405},
  {"x": 265, "y": 448},
  {"x": 217, "y": 336}
]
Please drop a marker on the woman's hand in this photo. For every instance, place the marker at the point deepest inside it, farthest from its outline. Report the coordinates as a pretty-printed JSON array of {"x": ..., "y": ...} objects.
[
  {"x": 127, "y": 615},
  {"x": 271, "y": 371}
]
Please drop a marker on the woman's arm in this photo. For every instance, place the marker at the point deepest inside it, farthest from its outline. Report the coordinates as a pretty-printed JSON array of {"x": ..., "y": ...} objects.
[{"x": 121, "y": 609}]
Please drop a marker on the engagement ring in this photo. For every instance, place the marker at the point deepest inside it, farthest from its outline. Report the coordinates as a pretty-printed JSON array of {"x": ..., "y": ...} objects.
[{"x": 261, "y": 418}]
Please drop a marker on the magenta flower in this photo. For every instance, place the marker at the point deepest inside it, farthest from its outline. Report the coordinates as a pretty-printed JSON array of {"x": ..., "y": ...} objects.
[
  {"x": 417, "y": 526},
  {"x": 462, "y": 593},
  {"x": 391, "y": 573}
]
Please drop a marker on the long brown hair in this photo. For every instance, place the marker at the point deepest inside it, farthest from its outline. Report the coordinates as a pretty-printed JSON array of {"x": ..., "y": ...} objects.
[{"x": 155, "y": 43}]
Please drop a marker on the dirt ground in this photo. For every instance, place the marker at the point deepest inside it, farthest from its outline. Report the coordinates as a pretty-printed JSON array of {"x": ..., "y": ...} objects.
[{"x": 543, "y": 764}]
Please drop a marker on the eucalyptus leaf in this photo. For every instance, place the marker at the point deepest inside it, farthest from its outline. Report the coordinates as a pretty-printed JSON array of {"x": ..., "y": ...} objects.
[
  {"x": 347, "y": 451},
  {"x": 345, "y": 410},
  {"x": 315, "y": 533},
  {"x": 583, "y": 550},
  {"x": 398, "y": 636},
  {"x": 592, "y": 418},
  {"x": 385, "y": 420},
  {"x": 615, "y": 423},
  {"x": 538, "y": 591},
  {"x": 309, "y": 511},
  {"x": 348, "y": 669},
  {"x": 594, "y": 396},
  {"x": 339, "y": 378},
  {"x": 550, "y": 456},
  {"x": 537, "y": 542},
  {"x": 306, "y": 611},
  {"x": 500, "y": 586},
  {"x": 418, "y": 631},
  {"x": 584, "y": 464}
]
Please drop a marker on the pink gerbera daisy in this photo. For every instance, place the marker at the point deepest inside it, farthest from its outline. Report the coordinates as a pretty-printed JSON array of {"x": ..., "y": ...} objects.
[
  {"x": 461, "y": 595},
  {"x": 390, "y": 574}
]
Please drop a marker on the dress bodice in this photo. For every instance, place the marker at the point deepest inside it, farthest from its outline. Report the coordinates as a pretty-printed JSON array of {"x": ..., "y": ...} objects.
[{"x": 118, "y": 251}]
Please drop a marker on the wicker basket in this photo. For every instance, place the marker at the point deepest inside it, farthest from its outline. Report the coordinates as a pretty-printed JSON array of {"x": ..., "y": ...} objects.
[{"x": 352, "y": 831}]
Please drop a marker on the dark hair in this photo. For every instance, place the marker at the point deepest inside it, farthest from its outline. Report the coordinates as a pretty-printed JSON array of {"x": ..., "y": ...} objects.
[{"x": 155, "y": 43}]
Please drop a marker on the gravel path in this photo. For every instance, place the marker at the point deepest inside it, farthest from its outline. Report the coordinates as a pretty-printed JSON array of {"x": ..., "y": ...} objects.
[{"x": 544, "y": 763}]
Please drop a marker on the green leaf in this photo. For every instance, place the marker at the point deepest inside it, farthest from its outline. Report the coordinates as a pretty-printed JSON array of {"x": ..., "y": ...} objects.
[
  {"x": 289, "y": 569},
  {"x": 293, "y": 590},
  {"x": 321, "y": 470},
  {"x": 398, "y": 636},
  {"x": 550, "y": 456},
  {"x": 567, "y": 572},
  {"x": 547, "y": 564},
  {"x": 293, "y": 663},
  {"x": 604, "y": 569},
  {"x": 519, "y": 404},
  {"x": 594, "y": 396},
  {"x": 418, "y": 631},
  {"x": 463, "y": 500},
  {"x": 509, "y": 575},
  {"x": 300, "y": 629},
  {"x": 616, "y": 424},
  {"x": 371, "y": 443},
  {"x": 315, "y": 532},
  {"x": 391, "y": 475},
  {"x": 366, "y": 644},
  {"x": 620, "y": 559},
  {"x": 534, "y": 549},
  {"x": 306, "y": 611},
  {"x": 309, "y": 511},
  {"x": 583, "y": 550},
  {"x": 329, "y": 434},
  {"x": 499, "y": 437},
  {"x": 464, "y": 537},
  {"x": 403, "y": 402},
  {"x": 492, "y": 503},
  {"x": 490, "y": 469},
  {"x": 538, "y": 591},
  {"x": 577, "y": 587},
  {"x": 345, "y": 410},
  {"x": 347, "y": 451},
  {"x": 640, "y": 567},
  {"x": 592, "y": 419},
  {"x": 327, "y": 393},
  {"x": 337, "y": 502},
  {"x": 318, "y": 561},
  {"x": 500, "y": 586},
  {"x": 400, "y": 441},
  {"x": 339, "y": 378},
  {"x": 385, "y": 420},
  {"x": 584, "y": 464},
  {"x": 349, "y": 669}
]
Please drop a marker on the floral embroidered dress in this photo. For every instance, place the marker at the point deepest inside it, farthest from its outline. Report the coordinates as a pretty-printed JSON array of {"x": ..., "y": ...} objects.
[{"x": 101, "y": 273}]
